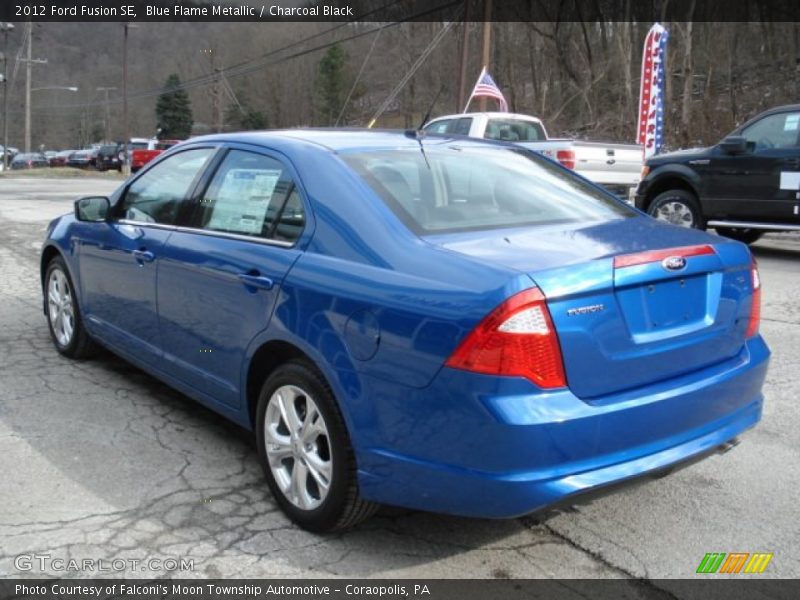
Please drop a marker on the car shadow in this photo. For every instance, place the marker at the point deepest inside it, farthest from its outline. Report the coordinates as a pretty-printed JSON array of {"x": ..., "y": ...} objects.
[
  {"x": 175, "y": 478},
  {"x": 764, "y": 249}
]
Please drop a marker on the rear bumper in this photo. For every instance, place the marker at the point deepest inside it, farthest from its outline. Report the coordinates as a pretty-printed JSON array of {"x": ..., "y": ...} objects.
[{"x": 486, "y": 447}]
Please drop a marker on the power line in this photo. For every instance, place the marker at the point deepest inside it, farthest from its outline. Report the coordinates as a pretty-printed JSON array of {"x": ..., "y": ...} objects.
[
  {"x": 248, "y": 67},
  {"x": 417, "y": 64},
  {"x": 358, "y": 78}
]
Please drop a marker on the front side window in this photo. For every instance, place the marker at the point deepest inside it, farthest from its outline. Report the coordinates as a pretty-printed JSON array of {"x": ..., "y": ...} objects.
[
  {"x": 252, "y": 195},
  {"x": 438, "y": 126},
  {"x": 457, "y": 188},
  {"x": 774, "y": 131},
  {"x": 156, "y": 196}
]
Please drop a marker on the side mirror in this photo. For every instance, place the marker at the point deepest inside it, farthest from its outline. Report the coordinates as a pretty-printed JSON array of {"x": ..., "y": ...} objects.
[
  {"x": 93, "y": 209},
  {"x": 734, "y": 145}
]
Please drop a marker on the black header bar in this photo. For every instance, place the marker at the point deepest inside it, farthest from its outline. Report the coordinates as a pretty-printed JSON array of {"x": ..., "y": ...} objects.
[{"x": 399, "y": 10}]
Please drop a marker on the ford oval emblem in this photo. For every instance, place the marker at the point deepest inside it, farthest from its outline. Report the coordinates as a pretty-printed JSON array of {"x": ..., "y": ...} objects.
[{"x": 674, "y": 263}]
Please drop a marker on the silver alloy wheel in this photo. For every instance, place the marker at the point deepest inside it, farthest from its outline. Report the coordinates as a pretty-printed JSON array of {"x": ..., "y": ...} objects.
[
  {"x": 60, "y": 305},
  {"x": 675, "y": 212},
  {"x": 298, "y": 447}
]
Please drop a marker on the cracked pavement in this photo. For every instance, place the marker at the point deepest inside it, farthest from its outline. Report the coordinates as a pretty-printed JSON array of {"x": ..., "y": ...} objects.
[{"x": 101, "y": 461}]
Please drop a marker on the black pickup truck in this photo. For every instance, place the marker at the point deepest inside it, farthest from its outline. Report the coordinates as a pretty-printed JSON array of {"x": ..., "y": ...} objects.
[{"x": 743, "y": 187}]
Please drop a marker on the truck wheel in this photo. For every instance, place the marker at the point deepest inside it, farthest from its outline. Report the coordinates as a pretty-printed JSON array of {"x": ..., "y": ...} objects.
[
  {"x": 741, "y": 234},
  {"x": 306, "y": 453},
  {"x": 678, "y": 207}
]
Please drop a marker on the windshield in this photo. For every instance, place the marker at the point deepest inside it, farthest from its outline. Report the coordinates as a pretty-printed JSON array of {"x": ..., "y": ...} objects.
[{"x": 470, "y": 188}]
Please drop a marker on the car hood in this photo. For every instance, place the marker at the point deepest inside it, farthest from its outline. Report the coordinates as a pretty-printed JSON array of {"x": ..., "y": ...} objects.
[
  {"x": 532, "y": 249},
  {"x": 678, "y": 156}
]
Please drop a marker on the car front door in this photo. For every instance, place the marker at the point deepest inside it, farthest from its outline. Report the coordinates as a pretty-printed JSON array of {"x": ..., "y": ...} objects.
[
  {"x": 762, "y": 184},
  {"x": 221, "y": 276},
  {"x": 119, "y": 259}
]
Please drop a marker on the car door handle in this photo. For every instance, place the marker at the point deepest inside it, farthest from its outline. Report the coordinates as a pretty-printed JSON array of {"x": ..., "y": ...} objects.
[
  {"x": 258, "y": 281},
  {"x": 143, "y": 256}
]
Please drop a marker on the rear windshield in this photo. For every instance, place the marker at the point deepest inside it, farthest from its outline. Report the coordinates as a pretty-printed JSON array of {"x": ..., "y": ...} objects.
[
  {"x": 468, "y": 188},
  {"x": 514, "y": 130}
]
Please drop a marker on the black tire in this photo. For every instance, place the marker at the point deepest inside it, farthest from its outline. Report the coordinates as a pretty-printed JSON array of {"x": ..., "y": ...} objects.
[
  {"x": 80, "y": 345},
  {"x": 343, "y": 506},
  {"x": 741, "y": 234},
  {"x": 678, "y": 207}
]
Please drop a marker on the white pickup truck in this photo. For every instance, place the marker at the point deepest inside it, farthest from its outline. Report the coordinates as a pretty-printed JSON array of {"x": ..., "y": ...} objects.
[{"x": 617, "y": 167}]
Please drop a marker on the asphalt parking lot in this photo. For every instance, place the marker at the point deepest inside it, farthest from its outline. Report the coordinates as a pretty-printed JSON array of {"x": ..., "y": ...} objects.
[{"x": 101, "y": 461}]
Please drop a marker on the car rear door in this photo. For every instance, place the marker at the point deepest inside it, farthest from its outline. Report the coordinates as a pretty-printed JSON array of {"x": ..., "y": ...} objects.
[
  {"x": 221, "y": 276},
  {"x": 119, "y": 259}
]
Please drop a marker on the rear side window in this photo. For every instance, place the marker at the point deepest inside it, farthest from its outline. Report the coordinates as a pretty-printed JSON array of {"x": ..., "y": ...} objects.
[
  {"x": 254, "y": 195},
  {"x": 462, "y": 126},
  {"x": 456, "y": 188},
  {"x": 156, "y": 196},
  {"x": 514, "y": 130}
]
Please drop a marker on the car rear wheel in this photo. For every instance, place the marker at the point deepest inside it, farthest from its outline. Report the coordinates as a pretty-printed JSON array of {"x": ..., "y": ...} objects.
[
  {"x": 63, "y": 313},
  {"x": 306, "y": 453},
  {"x": 741, "y": 234},
  {"x": 678, "y": 207}
]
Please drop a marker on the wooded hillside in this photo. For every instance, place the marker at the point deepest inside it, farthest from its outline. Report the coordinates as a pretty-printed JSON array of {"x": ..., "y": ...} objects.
[{"x": 582, "y": 79}]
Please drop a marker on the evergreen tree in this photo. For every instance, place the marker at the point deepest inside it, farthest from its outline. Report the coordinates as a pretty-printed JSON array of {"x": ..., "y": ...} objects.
[
  {"x": 331, "y": 85},
  {"x": 174, "y": 111}
]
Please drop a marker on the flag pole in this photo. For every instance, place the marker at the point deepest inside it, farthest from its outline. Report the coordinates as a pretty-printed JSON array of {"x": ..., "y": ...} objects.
[{"x": 472, "y": 94}]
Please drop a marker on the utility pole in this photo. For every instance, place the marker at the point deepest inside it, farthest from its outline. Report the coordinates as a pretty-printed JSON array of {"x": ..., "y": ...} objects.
[
  {"x": 5, "y": 28},
  {"x": 126, "y": 165},
  {"x": 29, "y": 61},
  {"x": 215, "y": 91},
  {"x": 487, "y": 42},
  {"x": 108, "y": 111},
  {"x": 462, "y": 76}
]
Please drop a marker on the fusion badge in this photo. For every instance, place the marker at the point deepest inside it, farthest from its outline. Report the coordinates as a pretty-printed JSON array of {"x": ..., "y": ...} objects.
[{"x": 585, "y": 310}]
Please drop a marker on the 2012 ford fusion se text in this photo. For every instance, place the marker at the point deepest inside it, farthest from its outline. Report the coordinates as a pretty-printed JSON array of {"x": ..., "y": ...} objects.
[{"x": 439, "y": 323}]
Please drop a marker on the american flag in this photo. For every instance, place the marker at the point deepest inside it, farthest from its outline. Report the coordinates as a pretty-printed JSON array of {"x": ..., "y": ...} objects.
[{"x": 487, "y": 88}]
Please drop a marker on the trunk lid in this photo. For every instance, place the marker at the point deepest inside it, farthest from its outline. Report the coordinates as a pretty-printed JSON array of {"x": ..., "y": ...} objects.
[{"x": 622, "y": 325}]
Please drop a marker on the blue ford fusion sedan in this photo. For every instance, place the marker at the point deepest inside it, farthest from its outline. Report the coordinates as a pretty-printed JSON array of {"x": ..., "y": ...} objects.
[{"x": 445, "y": 324}]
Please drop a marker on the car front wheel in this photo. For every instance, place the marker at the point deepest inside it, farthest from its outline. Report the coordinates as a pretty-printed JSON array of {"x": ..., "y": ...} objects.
[
  {"x": 677, "y": 207},
  {"x": 306, "y": 453},
  {"x": 63, "y": 313}
]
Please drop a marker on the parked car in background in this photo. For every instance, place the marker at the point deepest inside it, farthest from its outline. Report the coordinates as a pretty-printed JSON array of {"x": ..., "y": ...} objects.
[
  {"x": 30, "y": 160},
  {"x": 445, "y": 324},
  {"x": 9, "y": 153},
  {"x": 81, "y": 159},
  {"x": 110, "y": 156},
  {"x": 60, "y": 159},
  {"x": 745, "y": 186},
  {"x": 617, "y": 167},
  {"x": 141, "y": 156}
]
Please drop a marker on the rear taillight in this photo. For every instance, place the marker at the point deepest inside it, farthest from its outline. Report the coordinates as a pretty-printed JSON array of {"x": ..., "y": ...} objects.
[
  {"x": 755, "y": 306},
  {"x": 516, "y": 339},
  {"x": 566, "y": 158}
]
